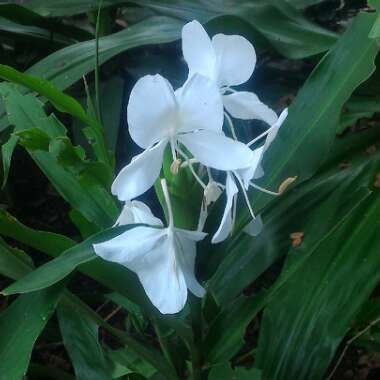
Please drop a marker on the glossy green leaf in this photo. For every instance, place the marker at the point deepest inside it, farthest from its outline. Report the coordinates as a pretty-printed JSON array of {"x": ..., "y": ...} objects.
[
  {"x": 80, "y": 337},
  {"x": 307, "y": 319},
  {"x": 57, "y": 269},
  {"x": 282, "y": 25},
  {"x": 6, "y": 155},
  {"x": 20, "y": 325}
]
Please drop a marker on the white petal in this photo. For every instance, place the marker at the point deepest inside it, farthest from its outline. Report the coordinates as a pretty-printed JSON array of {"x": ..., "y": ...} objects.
[
  {"x": 225, "y": 227},
  {"x": 216, "y": 150},
  {"x": 139, "y": 176},
  {"x": 200, "y": 105},
  {"x": 198, "y": 51},
  {"x": 162, "y": 278},
  {"x": 247, "y": 106},
  {"x": 235, "y": 57},
  {"x": 126, "y": 215},
  {"x": 255, "y": 226},
  {"x": 275, "y": 128},
  {"x": 151, "y": 110},
  {"x": 248, "y": 173},
  {"x": 130, "y": 247},
  {"x": 186, "y": 252},
  {"x": 259, "y": 171},
  {"x": 143, "y": 214}
]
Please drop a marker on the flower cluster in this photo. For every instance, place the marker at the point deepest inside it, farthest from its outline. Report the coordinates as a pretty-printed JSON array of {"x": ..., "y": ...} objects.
[{"x": 190, "y": 121}]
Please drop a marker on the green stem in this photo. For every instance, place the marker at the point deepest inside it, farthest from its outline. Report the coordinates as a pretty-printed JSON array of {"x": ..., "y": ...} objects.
[
  {"x": 196, "y": 355},
  {"x": 97, "y": 90}
]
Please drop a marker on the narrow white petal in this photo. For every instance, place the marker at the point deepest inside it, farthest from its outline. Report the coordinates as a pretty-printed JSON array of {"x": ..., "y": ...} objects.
[
  {"x": 197, "y": 50},
  {"x": 126, "y": 215},
  {"x": 254, "y": 227},
  {"x": 235, "y": 57},
  {"x": 186, "y": 253},
  {"x": 162, "y": 278},
  {"x": 225, "y": 227},
  {"x": 130, "y": 247},
  {"x": 200, "y": 105},
  {"x": 275, "y": 128},
  {"x": 151, "y": 110},
  {"x": 247, "y": 106},
  {"x": 139, "y": 176},
  {"x": 216, "y": 150},
  {"x": 247, "y": 174}
]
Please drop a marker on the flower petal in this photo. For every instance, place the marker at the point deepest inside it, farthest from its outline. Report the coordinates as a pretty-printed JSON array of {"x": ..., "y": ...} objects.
[
  {"x": 248, "y": 173},
  {"x": 235, "y": 57},
  {"x": 198, "y": 51},
  {"x": 135, "y": 212},
  {"x": 139, "y": 176},
  {"x": 162, "y": 278},
  {"x": 225, "y": 227},
  {"x": 275, "y": 128},
  {"x": 200, "y": 105},
  {"x": 151, "y": 110},
  {"x": 216, "y": 150},
  {"x": 130, "y": 247},
  {"x": 186, "y": 253},
  {"x": 246, "y": 105}
]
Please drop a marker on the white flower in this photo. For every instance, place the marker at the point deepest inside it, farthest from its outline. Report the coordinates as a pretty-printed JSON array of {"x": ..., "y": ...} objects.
[
  {"x": 228, "y": 61},
  {"x": 162, "y": 258},
  {"x": 192, "y": 116},
  {"x": 136, "y": 212}
]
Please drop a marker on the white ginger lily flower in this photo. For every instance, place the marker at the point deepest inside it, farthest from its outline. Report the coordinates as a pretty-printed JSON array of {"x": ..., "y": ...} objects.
[
  {"x": 228, "y": 60},
  {"x": 162, "y": 258},
  {"x": 136, "y": 212},
  {"x": 192, "y": 116}
]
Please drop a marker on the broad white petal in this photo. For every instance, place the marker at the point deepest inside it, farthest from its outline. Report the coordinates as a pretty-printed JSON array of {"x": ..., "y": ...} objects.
[
  {"x": 139, "y": 176},
  {"x": 143, "y": 214},
  {"x": 275, "y": 128},
  {"x": 186, "y": 253},
  {"x": 130, "y": 247},
  {"x": 126, "y": 215},
  {"x": 247, "y": 106},
  {"x": 225, "y": 227},
  {"x": 254, "y": 227},
  {"x": 200, "y": 105},
  {"x": 216, "y": 150},
  {"x": 151, "y": 110},
  {"x": 198, "y": 51},
  {"x": 235, "y": 57},
  {"x": 247, "y": 174},
  {"x": 161, "y": 276}
]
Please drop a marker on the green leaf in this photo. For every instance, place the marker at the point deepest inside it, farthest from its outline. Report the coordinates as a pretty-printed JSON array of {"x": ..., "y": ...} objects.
[
  {"x": 225, "y": 335},
  {"x": 83, "y": 189},
  {"x": 225, "y": 372},
  {"x": 80, "y": 337},
  {"x": 283, "y": 26},
  {"x": 44, "y": 241},
  {"x": 320, "y": 292},
  {"x": 61, "y": 102},
  {"x": 357, "y": 108},
  {"x": 6, "y": 154},
  {"x": 57, "y": 269},
  {"x": 14, "y": 263},
  {"x": 20, "y": 325},
  {"x": 329, "y": 196}
]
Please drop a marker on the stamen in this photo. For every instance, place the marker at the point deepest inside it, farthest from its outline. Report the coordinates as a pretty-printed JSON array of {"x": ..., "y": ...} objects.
[
  {"x": 165, "y": 190},
  {"x": 184, "y": 155},
  {"x": 173, "y": 149},
  {"x": 190, "y": 161},
  {"x": 231, "y": 125},
  {"x": 264, "y": 190},
  {"x": 245, "y": 195},
  {"x": 259, "y": 137},
  {"x": 174, "y": 167}
]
